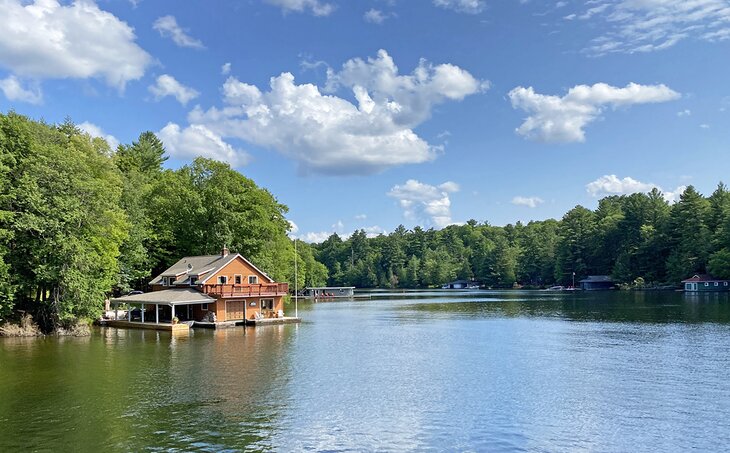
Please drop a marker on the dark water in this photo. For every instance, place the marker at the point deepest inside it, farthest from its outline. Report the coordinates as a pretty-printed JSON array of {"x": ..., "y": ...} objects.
[{"x": 440, "y": 371}]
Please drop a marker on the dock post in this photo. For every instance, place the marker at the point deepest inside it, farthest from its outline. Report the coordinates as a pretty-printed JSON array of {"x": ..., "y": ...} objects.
[{"x": 157, "y": 313}]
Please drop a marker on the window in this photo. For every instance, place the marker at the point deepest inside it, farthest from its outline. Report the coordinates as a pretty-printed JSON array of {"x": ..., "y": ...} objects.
[
  {"x": 717, "y": 284},
  {"x": 222, "y": 279},
  {"x": 267, "y": 304},
  {"x": 237, "y": 279},
  {"x": 193, "y": 280},
  {"x": 707, "y": 284},
  {"x": 164, "y": 281},
  {"x": 252, "y": 303},
  {"x": 204, "y": 306},
  {"x": 252, "y": 279},
  {"x": 725, "y": 284}
]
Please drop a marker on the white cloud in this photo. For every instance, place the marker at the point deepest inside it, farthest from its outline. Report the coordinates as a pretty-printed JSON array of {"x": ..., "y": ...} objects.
[
  {"x": 331, "y": 135},
  {"x": 684, "y": 113},
  {"x": 530, "y": 202},
  {"x": 168, "y": 28},
  {"x": 14, "y": 91},
  {"x": 293, "y": 228},
  {"x": 634, "y": 26},
  {"x": 613, "y": 185},
  {"x": 316, "y": 7},
  {"x": 562, "y": 119},
  {"x": 197, "y": 140},
  {"x": 226, "y": 69},
  {"x": 462, "y": 6},
  {"x": 705, "y": 126},
  {"x": 424, "y": 203},
  {"x": 375, "y": 16},
  {"x": 315, "y": 237},
  {"x": 96, "y": 131},
  {"x": 166, "y": 85},
  {"x": 44, "y": 39},
  {"x": 361, "y": 217}
]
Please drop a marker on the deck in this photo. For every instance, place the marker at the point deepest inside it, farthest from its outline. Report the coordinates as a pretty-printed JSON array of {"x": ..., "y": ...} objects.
[
  {"x": 272, "y": 321},
  {"x": 181, "y": 327},
  {"x": 254, "y": 290}
]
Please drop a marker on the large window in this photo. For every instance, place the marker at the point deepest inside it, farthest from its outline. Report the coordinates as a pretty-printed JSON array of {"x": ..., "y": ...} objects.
[
  {"x": 252, "y": 279},
  {"x": 267, "y": 304},
  {"x": 222, "y": 279}
]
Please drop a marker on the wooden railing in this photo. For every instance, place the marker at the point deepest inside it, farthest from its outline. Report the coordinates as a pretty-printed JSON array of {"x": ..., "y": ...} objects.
[{"x": 232, "y": 290}]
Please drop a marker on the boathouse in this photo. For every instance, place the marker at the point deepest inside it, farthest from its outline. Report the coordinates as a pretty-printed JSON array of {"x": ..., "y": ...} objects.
[
  {"x": 705, "y": 283},
  {"x": 212, "y": 289},
  {"x": 596, "y": 282},
  {"x": 321, "y": 292}
]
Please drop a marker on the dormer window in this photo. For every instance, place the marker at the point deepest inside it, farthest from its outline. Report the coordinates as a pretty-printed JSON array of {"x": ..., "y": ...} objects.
[
  {"x": 253, "y": 280},
  {"x": 222, "y": 279},
  {"x": 193, "y": 280},
  {"x": 237, "y": 279}
]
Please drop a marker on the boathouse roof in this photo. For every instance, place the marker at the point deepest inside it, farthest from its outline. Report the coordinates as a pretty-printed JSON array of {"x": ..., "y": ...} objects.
[
  {"x": 597, "y": 279},
  {"x": 703, "y": 278},
  {"x": 202, "y": 267},
  {"x": 176, "y": 296}
]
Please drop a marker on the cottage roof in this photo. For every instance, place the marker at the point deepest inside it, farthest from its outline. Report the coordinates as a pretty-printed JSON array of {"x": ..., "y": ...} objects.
[
  {"x": 200, "y": 265},
  {"x": 597, "y": 279},
  {"x": 703, "y": 278},
  {"x": 176, "y": 296}
]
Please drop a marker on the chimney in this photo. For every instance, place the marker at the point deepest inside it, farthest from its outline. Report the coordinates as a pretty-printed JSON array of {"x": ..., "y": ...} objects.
[{"x": 224, "y": 253}]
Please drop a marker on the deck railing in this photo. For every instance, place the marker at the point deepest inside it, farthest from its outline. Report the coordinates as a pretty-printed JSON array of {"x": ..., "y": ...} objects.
[{"x": 233, "y": 290}]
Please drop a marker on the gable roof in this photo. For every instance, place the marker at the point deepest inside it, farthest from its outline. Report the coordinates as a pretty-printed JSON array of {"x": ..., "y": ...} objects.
[
  {"x": 207, "y": 265},
  {"x": 597, "y": 279},
  {"x": 237, "y": 255},
  {"x": 703, "y": 278}
]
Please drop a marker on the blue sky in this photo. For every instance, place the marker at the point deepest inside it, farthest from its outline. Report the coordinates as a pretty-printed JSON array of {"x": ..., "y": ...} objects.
[{"x": 372, "y": 113}]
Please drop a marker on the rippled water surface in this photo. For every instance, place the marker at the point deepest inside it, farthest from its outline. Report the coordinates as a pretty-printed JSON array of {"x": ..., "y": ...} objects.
[{"x": 440, "y": 370}]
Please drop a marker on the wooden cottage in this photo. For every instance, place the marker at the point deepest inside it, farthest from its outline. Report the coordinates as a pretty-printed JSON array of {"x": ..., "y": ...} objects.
[
  {"x": 222, "y": 288},
  {"x": 704, "y": 283}
]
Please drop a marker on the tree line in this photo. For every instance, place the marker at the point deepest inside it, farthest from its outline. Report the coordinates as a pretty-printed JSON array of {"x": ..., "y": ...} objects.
[
  {"x": 80, "y": 221},
  {"x": 638, "y": 239}
]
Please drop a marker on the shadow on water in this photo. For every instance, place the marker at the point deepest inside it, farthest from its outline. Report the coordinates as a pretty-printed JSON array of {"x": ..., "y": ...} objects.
[{"x": 602, "y": 306}]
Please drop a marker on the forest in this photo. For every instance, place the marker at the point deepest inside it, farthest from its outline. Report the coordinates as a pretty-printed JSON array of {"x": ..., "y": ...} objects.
[
  {"x": 641, "y": 240},
  {"x": 80, "y": 222}
]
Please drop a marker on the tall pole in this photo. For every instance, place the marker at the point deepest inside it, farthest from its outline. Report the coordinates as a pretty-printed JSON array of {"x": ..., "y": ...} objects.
[{"x": 296, "y": 295}]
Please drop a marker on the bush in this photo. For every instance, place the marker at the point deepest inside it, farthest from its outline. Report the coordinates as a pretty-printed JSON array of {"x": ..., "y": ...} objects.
[{"x": 26, "y": 328}]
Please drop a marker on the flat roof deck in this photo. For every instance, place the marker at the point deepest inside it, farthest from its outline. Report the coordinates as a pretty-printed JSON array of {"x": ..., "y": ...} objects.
[{"x": 124, "y": 324}]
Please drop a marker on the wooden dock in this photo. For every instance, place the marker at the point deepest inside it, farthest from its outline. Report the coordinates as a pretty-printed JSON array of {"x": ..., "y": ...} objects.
[
  {"x": 181, "y": 327},
  {"x": 273, "y": 321}
]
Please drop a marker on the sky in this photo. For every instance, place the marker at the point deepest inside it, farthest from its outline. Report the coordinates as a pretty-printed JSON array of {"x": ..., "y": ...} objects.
[{"x": 368, "y": 114}]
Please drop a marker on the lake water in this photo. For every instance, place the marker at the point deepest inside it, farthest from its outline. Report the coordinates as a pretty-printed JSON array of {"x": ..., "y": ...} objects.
[{"x": 425, "y": 371}]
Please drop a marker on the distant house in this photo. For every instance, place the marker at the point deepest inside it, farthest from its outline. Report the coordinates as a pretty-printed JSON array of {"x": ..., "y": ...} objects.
[
  {"x": 596, "y": 282},
  {"x": 461, "y": 284},
  {"x": 705, "y": 282},
  {"x": 213, "y": 288}
]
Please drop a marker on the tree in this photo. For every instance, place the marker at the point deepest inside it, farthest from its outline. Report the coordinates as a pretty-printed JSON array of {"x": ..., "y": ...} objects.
[{"x": 689, "y": 237}]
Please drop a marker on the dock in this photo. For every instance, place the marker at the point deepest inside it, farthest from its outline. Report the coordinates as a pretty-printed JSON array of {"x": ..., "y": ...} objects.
[
  {"x": 273, "y": 321},
  {"x": 181, "y": 327}
]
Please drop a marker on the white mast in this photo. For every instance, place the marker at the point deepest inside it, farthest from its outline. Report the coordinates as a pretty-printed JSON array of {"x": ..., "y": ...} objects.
[{"x": 296, "y": 301}]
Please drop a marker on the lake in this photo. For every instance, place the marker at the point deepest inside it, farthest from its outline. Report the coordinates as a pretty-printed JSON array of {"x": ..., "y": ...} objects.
[{"x": 401, "y": 371}]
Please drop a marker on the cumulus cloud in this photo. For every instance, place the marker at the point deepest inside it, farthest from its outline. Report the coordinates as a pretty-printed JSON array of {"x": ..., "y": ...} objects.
[
  {"x": 424, "y": 203},
  {"x": 332, "y": 135},
  {"x": 166, "y": 85},
  {"x": 684, "y": 112},
  {"x": 375, "y": 16},
  {"x": 462, "y": 6},
  {"x": 14, "y": 91},
  {"x": 226, "y": 69},
  {"x": 530, "y": 202},
  {"x": 562, "y": 119},
  {"x": 168, "y": 28},
  {"x": 633, "y": 26},
  {"x": 613, "y": 185},
  {"x": 197, "y": 140},
  {"x": 316, "y": 7},
  {"x": 96, "y": 131},
  {"x": 45, "y": 39}
]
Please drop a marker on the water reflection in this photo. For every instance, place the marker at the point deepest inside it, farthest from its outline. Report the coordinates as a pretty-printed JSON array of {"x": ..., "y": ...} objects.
[{"x": 436, "y": 370}]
